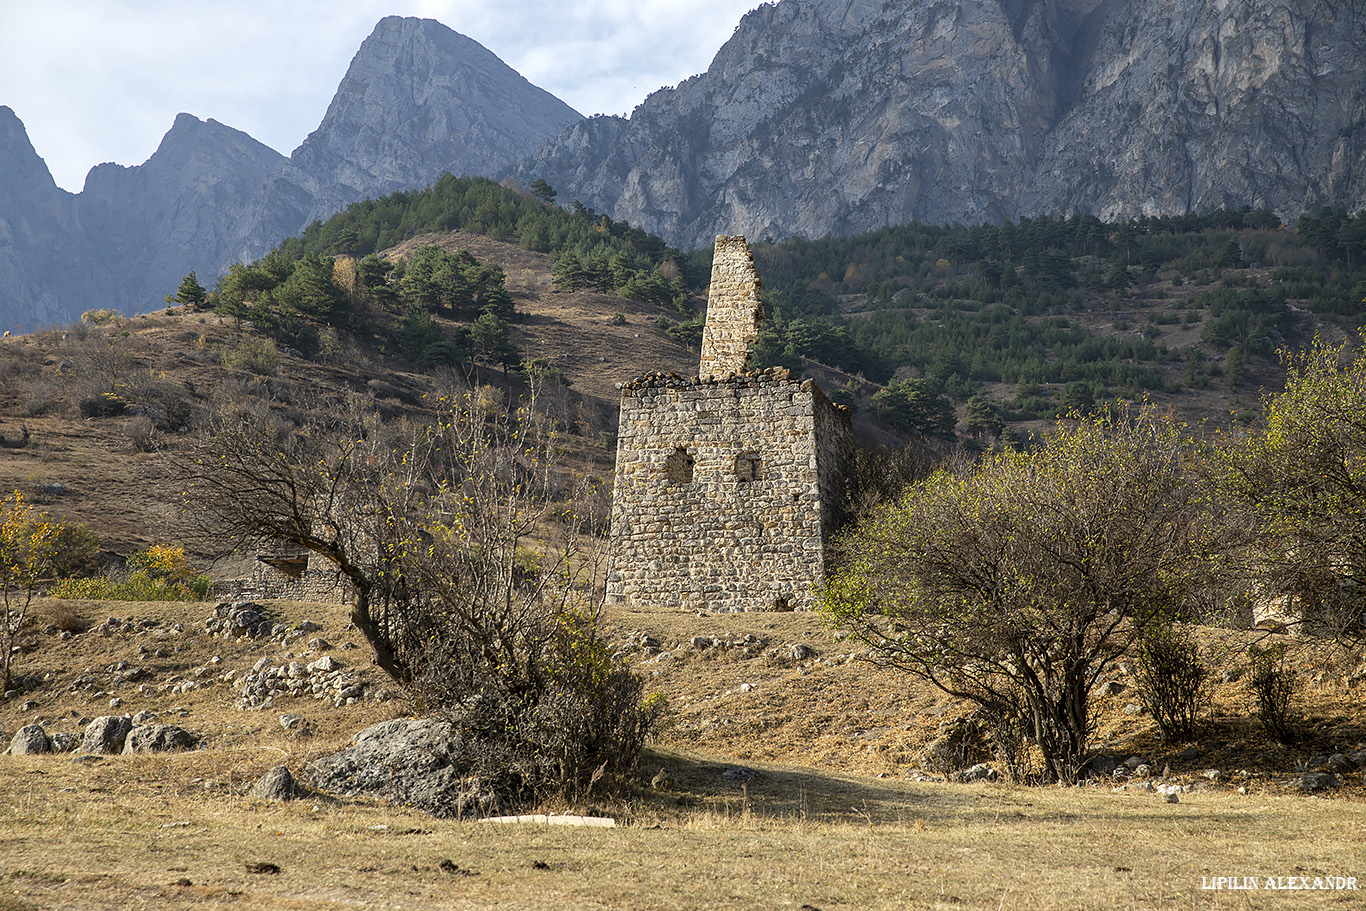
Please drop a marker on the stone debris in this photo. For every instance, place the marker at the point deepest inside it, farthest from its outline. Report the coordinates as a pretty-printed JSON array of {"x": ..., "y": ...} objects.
[
  {"x": 235, "y": 619},
  {"x": 160, "y": 738},
  {"x": 106, "y": 734},
  {"x": 409, "y": 761},
  {"x": 980, "y": 772},
  {"x": 325, "y": 678}
]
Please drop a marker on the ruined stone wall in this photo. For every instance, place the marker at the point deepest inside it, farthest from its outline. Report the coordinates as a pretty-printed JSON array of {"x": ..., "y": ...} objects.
[
  {"x": 721, "y": 492},
  {"x": 734, "y": 311},
  {"x": 316, "y": 581}
]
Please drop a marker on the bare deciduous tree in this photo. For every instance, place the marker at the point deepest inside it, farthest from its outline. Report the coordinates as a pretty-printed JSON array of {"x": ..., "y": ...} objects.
[{"x": 473, "y": 580}]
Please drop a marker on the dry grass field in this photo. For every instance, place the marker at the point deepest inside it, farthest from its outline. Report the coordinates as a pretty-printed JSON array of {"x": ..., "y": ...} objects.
[{"x": 829, "y": 816}]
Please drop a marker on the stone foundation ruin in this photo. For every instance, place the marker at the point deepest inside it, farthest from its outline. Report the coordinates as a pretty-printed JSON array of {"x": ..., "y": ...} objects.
[
  {"x": 726, "y": 484},
  {"x": 289, "y": 574}
]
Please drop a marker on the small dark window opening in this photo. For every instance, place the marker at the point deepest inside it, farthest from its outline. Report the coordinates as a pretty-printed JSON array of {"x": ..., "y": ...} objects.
[
  {"x": 289, "y": 563},
  {"x": 678, "y": 466},
  {"x": 748, "y": 468}
]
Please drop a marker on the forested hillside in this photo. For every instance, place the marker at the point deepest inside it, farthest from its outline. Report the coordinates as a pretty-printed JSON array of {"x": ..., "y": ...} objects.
[
  {"x": 1040, "y": 316},
  {"x": 945, "y": 330}
]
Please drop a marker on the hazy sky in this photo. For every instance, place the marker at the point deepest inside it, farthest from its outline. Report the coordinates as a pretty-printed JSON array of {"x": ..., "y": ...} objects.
[{"x": 102, "y": 80}]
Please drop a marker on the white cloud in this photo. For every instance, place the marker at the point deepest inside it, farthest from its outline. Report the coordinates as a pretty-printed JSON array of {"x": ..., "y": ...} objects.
[{"x": 102, "y": 80}]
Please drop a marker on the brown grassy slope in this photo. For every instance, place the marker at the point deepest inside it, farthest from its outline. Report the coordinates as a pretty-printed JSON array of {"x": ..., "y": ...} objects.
[
  {"x": 125, "y": 494},
  {"x": 829, "y": 819}
]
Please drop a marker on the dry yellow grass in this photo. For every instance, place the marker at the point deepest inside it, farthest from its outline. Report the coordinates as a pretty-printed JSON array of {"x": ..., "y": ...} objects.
[{"x": 814, "y": 827}]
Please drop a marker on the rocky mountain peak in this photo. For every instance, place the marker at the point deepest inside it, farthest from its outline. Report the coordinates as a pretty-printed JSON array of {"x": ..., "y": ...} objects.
[
  {"x": 417, "y": 100},
  {"x": 21, "y": 170}
]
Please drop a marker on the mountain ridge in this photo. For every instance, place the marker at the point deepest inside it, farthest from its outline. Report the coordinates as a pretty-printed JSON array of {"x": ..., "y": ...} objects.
[
  {"x": 946, "y": 111},
  {"x": 418, "y": 100}
]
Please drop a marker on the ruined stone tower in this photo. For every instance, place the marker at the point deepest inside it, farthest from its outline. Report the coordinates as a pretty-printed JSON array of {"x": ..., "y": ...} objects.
[{"x": 727, "y": 483}]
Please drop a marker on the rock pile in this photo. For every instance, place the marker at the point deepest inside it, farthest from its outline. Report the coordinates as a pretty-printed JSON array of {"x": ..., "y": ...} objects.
[
  {"x": 325, "y": 678},
  {"x": 235, "y": 619}
]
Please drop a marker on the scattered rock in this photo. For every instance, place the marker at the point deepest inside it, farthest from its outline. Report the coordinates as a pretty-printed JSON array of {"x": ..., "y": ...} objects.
[
  {"x": 160, "y": 738},
  {"x": 1171, "y": 797},
  {"x": 262, "y": 867},
  {"x": 106, "y": 734},
  {"x": 1188, "y": 754},
  {"x": 1133, "y": 709},
  {"x": 236, "y": 619},
  {"x": 1311, "y": 782},
  {"x": 1103, "y": 765},
  {"x": 30, "y": 740},
  {"x": 1112, "y": 688},
  {"x": 739, "y": 774},
  {"x": 292, "y": 721},
  {"x": 1213, "y": 775},
  {"x": 980, "y": 772},
  {"x": 277, "y": 784}
]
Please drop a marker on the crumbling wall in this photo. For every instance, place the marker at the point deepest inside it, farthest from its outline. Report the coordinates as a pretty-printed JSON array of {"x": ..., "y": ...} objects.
[
  {"x": 298, "y": 579},
  {"x": 734, "y": 310}
]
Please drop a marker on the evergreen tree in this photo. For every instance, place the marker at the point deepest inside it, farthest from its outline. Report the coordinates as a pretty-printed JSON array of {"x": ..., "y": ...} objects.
[{"x": 190, "y": 292}]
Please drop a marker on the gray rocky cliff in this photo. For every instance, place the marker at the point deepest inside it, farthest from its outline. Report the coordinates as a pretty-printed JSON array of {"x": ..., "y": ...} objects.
[
  {"x": 149, "y": 225},
  {"x": 418, "y": 100},
  {"x": 836, "y": 116},
  {"x": 42, "y": 256}
]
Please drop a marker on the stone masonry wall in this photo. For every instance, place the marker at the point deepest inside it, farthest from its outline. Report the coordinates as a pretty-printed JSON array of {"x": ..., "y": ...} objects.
[
  {"x": 734, "y": 310},
  {"x": 315, "y": 581},
  {"x": 721, "y": 492}
]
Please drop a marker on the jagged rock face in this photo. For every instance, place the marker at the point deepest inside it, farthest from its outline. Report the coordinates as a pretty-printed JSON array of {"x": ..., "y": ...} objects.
[
  {"x": 176, "y": 213},
  {"x": 834, "y": 116},
  {"x": 419, "y": 100}
]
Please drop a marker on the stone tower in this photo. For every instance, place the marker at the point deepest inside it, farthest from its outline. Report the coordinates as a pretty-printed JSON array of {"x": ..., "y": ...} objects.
[{"x": 726, "y": 484}]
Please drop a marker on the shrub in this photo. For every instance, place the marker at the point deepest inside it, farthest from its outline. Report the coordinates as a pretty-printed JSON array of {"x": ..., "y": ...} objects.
[
  {"x": 101, "y": 317},
  {"x": 1173, "y": 683},
  {"x": 258, "y": 355},
  {"x": 1273, "y": 685},
  {"x": 142, "y": 433},
  {"x": 102, "y": 405},
  {"x": 574, "y": 714},
  {"x": 28, "y": 543},
  {"x": 159, "y": 573}
]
